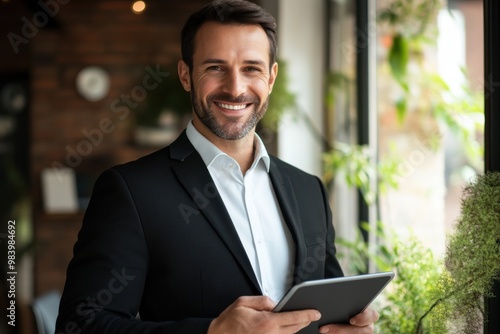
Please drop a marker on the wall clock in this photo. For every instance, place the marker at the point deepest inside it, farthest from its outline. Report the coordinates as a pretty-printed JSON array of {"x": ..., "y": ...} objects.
[{"x": 92, "y": 83}]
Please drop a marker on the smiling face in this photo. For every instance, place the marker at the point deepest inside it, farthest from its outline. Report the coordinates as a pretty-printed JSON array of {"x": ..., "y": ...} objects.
[{"x": 231, "y": 79}]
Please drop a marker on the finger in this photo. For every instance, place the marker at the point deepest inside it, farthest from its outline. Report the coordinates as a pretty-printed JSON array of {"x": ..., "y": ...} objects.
[
  {"x": 293, "y": 318},
  {"x": 295, "y": 327},
  {"x": 367, "y": 317},
  {"x": 259, "y": 303},
  {"x": 347, "y": 329}
]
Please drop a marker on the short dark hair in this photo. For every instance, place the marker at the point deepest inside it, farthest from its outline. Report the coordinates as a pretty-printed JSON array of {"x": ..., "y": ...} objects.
[{"x": 227, "y": 12}]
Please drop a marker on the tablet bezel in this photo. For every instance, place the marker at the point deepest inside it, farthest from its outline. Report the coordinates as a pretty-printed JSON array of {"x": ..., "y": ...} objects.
[{"x": 353, "y": 295}]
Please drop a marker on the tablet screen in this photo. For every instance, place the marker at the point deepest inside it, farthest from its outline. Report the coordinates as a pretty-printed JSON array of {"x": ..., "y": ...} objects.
[{"x": 338, "y": 299}]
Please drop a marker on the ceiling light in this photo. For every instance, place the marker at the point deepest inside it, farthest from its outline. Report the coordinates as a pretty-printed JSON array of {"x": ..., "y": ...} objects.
[{"x": 138, "y": 7}]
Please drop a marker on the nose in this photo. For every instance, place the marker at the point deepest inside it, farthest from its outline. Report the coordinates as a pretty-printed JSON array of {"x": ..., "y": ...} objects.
[{"x": 234, "y": 83}]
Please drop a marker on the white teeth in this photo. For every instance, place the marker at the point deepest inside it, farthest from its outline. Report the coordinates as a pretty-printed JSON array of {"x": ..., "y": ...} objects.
[{"x": 231, "y": 107}]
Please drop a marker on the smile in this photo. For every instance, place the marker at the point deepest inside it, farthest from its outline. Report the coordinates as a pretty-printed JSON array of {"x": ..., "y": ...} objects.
[{"x": 231, "y": 106}]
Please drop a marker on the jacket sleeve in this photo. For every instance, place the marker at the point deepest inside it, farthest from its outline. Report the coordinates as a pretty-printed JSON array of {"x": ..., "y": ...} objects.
[{"x": 106, "y": 277}]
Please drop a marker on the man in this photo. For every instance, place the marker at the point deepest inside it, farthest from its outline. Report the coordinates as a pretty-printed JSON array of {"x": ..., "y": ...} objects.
[{"x": 205, "y": 235}]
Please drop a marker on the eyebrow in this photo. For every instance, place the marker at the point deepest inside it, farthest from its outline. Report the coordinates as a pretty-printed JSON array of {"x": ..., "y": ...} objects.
[{"x": 220, "y": 61}]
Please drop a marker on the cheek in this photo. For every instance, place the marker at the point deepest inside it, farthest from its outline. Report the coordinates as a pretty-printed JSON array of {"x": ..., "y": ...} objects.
[
  {"x": 205, "y": 87},
  {"x": 261, "y": 89}
]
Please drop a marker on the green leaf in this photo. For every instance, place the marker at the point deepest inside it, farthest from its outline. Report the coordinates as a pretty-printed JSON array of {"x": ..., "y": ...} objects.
[
  {"x": 281, "y": 99},
  {"x": 398, "y": 59},
  {"x": 401, "y": 109}
]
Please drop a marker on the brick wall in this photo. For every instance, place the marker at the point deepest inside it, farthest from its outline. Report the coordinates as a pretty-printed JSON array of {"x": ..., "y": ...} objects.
[
  {"x": 81, "y": 33},
  {"x": 52, "y": 49},
  {"x": 109, "y": 35}
]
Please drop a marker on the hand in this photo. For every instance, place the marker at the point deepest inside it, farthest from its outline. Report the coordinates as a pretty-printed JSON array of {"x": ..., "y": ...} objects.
[
  {"x": 362, "y": 323},
  {"x": 253, "y": 315}
]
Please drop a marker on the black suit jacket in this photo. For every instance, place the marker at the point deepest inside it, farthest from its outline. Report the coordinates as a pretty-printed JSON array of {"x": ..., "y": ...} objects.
[{"x": 157, "y": 239}]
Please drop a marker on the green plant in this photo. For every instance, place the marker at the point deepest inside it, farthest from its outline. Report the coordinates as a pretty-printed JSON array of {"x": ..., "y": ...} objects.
[
  {"x": 410, "y": 18},
  {"x": 417, "y": 273},
  {"x": 358, "y": 168},
  {"x": 463, "y": 114},
  {"x": 169, "y": 96},
  {"x": 429, "y": 295},
  {"x": 411, "y": 291},
  {"x": 472, "y": 255},
  {"x": 281, "y": 99},
  {"x": 411, "y": 25}
]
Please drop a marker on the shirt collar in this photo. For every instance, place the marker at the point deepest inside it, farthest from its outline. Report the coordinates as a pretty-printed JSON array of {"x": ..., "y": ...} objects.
[{"x": 209, "y": 152}]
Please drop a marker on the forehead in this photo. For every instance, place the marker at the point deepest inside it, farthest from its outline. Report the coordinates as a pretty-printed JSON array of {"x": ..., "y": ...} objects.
[{"x": 231, "y": 42}]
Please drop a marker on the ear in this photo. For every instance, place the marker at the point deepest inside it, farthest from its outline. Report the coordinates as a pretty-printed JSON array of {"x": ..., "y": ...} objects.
[
  {"x": 184, "y": 77},
  {"x": 272, "y": 76}
]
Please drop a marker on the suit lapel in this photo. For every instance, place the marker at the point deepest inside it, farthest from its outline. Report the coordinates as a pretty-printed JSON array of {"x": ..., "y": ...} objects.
[
  {"x": 196, "y": 180},
  {"x": 289, "y": 208}
]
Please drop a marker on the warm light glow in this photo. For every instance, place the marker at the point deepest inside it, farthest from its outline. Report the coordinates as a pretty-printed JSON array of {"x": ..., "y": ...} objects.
[{"x": 138, "y": 7}]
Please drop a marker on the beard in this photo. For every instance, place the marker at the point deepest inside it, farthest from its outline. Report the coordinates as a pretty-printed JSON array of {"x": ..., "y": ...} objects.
[{"x": 233, "y": 128}]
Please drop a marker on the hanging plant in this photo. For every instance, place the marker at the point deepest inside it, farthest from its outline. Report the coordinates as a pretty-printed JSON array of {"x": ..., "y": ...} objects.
[{"x": 410, "y": 24}]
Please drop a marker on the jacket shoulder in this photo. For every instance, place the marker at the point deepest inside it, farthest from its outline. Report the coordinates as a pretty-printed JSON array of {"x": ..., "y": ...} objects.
[
  {"x": 290, "y": 170},
  {"x": 146, "y": 163},
  {"x": 160, "y": 160}
]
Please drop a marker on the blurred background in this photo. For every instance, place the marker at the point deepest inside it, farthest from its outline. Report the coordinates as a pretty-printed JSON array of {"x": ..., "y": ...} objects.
[{"x": 384, "y": 100}]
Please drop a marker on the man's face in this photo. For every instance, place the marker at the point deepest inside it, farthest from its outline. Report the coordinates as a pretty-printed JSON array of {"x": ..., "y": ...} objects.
[{"x": 231, "y": 79}]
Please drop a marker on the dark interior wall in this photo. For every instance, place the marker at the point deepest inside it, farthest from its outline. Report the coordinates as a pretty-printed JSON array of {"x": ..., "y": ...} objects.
[
  {"x": 44, "y": 44},
  {"x": 51, "y": 46},
  {"x": 48, "y": 46}
]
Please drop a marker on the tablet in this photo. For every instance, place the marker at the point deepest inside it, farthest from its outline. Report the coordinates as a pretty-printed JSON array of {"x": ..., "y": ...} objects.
[{"x": 338, "y": 299}]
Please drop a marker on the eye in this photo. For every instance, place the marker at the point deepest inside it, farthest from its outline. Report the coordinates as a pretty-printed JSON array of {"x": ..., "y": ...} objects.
[
  {"x": 214, "y": 68},
  {"x": 252, "y": 69}
]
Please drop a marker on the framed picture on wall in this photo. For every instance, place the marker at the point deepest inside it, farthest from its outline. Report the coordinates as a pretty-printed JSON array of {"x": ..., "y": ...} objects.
[{"x": 59, "y": 190}]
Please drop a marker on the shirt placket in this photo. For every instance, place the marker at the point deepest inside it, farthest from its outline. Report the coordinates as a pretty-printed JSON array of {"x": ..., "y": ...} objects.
[{"x": 257, "y": 232}]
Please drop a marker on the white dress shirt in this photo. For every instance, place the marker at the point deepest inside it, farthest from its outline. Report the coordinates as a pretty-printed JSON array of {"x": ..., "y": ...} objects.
[{"x": 254, "y": 211}]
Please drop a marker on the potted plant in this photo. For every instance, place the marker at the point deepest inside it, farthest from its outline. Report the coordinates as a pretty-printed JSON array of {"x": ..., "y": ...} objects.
[{"x": 164, "y": 112}]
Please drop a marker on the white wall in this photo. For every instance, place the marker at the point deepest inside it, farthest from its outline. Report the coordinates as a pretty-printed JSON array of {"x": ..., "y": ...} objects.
[{"x": 301, "y": 44}]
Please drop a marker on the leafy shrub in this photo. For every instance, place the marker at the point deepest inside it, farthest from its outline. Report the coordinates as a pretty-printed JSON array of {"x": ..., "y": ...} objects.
[{"x": 435, "y": 296}]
